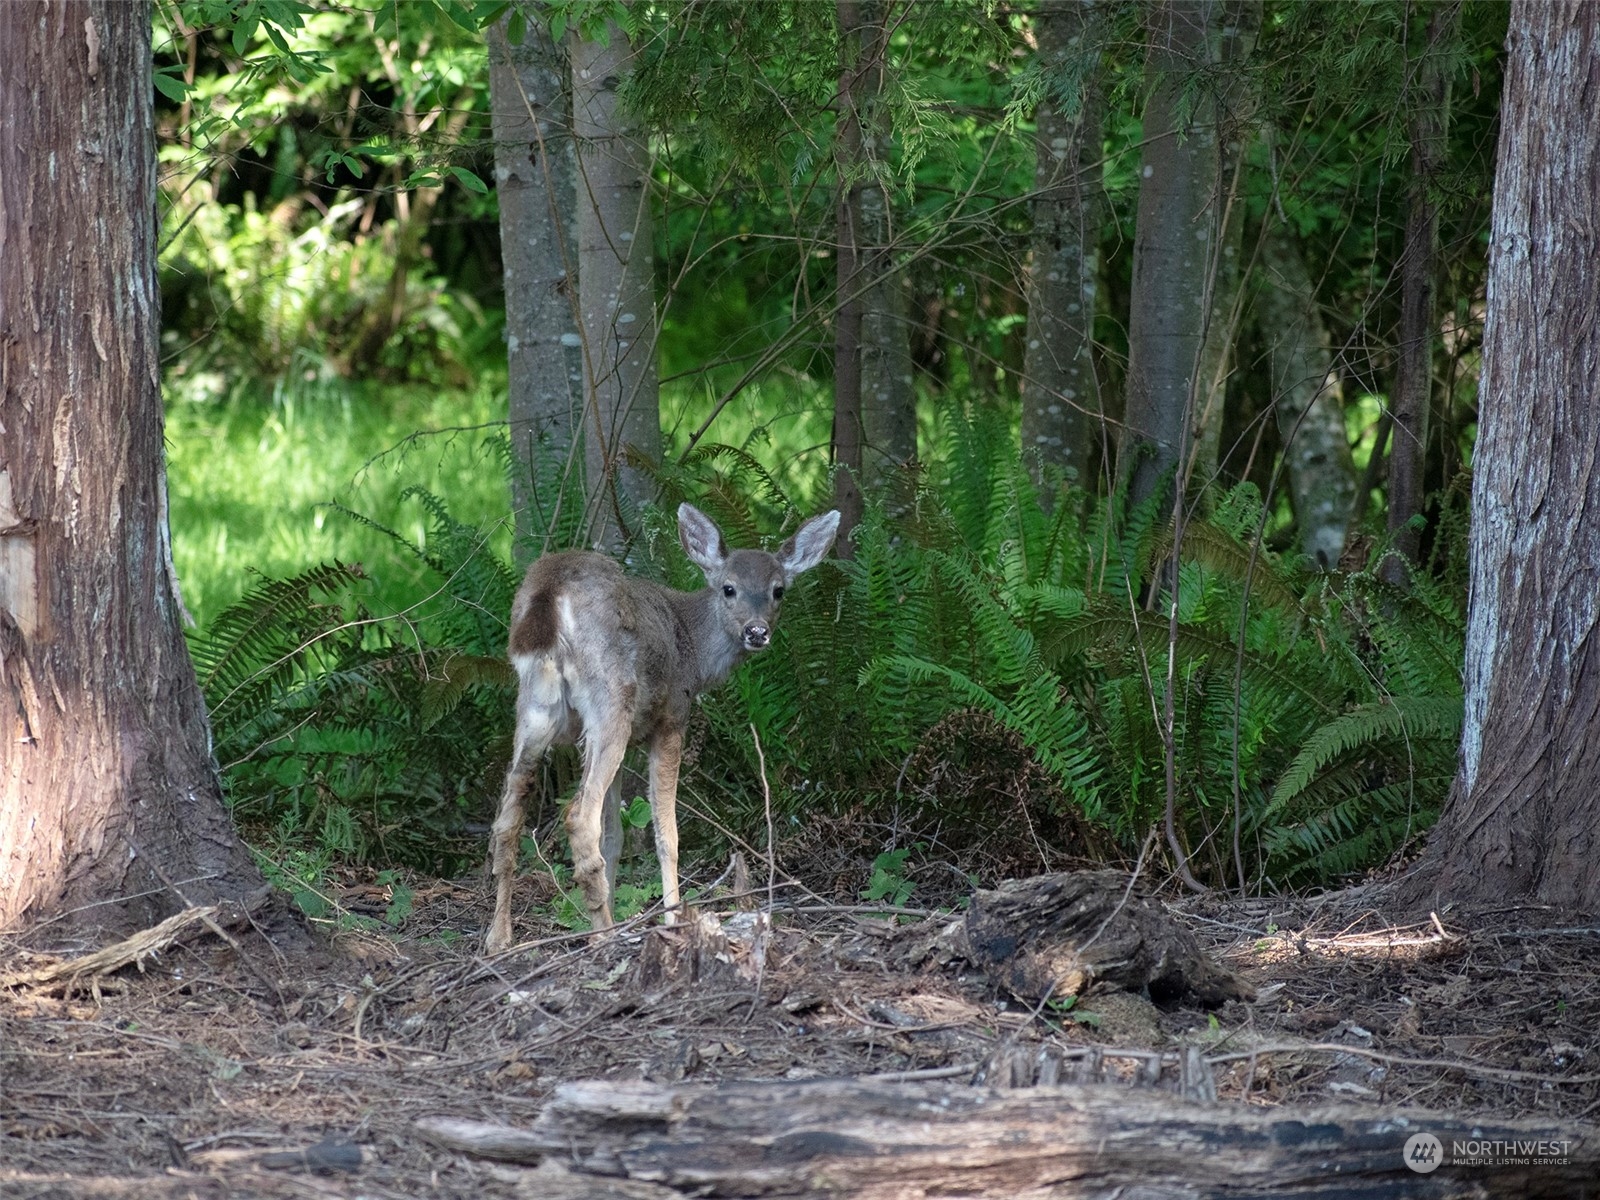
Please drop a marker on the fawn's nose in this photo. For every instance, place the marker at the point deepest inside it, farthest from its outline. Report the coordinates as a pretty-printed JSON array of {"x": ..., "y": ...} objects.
[{"x": 756, "y": 635}]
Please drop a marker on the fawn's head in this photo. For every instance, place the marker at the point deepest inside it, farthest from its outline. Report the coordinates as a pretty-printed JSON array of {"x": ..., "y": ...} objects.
[{"x": 749, "y": 584}]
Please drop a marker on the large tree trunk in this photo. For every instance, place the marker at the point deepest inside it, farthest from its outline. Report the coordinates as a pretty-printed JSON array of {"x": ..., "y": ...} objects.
[
  {"x": 847, "y": 312},
  {"x": 535, "y": 176},
  {"x": 1429, "y": 96},
  {"x": 107, "y": 787},
  {"x": 1062, "y": 421},
  {"x": 1306, "y": 395},
  {"x": 1522, "y": 819},
  {"x": 1174, "y": 246},
  {"x": 616, "y": 289},
  {"x": 1232, "y": 42}
]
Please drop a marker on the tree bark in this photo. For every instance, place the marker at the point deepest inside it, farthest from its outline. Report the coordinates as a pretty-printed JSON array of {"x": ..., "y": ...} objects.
[
  {"x": 1174, "y": 246},
  {"x": 1522, "y": 818},
  {"x": 1307, "y": 397},
  {"x": 1062, "y": 419},
  {"x": 1232, "y": 41},
  {"x": 1429, "y": 99},
  {"x": 847, "y": 314},
  {"x": 535, "y": 182},
  {"x": 616, "y": 290},
  {"x": 888, "y": 391},
  {"x": 107, "y": 787},
  {"x": 915, "y": 1141}
]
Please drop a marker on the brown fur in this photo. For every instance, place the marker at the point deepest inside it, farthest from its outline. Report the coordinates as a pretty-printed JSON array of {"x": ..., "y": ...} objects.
[{"x": 606, "y": 660}]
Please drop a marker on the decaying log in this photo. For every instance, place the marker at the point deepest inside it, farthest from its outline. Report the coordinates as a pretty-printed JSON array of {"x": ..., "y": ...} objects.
[
  {"x": 915, "y": 1141},
  {"x": 1056, "y": 935}
]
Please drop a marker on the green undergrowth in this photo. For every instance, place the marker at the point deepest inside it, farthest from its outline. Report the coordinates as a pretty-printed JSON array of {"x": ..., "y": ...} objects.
[{"x": 987, "y": 676}]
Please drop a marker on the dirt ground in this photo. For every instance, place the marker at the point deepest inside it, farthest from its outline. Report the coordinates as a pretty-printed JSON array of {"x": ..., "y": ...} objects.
[{"x": 214, "y": 1070}]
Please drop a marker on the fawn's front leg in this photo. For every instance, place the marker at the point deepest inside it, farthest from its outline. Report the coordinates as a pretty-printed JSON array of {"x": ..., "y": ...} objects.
[{"x": 666, "y": 753}]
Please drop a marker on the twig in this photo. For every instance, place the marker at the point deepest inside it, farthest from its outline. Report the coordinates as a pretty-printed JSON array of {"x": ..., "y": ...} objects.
[{"x": 1447, "y": 1064}]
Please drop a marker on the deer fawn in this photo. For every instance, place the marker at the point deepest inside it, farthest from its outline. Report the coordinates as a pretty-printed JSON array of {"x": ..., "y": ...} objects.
[{"x": 608, "y": 660}]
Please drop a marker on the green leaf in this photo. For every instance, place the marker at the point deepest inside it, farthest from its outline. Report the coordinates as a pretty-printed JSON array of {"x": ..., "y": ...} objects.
[
  {"x": 517, "y": 28},
  {"x": 470, "y": 181},
  {"x": 248, "y": 22},
  {"x": 170, "y": 86}
]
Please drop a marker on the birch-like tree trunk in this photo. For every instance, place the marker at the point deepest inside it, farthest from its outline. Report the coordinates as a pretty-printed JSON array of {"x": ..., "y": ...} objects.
[
  {"x": 107, "y": 785},
  {"x": 535, "y": 176},
  {"x": 1307, "y": 396},
  {"x": 616, "y": 289},
  {"x": 1174, "y": 247},
  {"x": 1429, "y": 101},
  {"x": 535, "y": 180},
  {"x": 1062, "y": 420},
  {"x": 1522, "y": 820}
]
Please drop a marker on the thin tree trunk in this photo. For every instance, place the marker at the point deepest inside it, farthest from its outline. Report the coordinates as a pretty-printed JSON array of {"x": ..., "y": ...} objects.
[
  {"x": 1233, "y": 40},
  {"x": 847, "y": 316},
  {"x": 616, "y": 289},
  {"x": 1174, "y": 247},
  {"x": 1430, "y": 114},
  {"x": 1522, "y": 820},
  {"x": 1307, "y": 397},
  {"x": 107, "y": 786},
  {"x": 1062, "y": 419},
  {"x": 535, "y": 179},
  {"x": 888, "y": 392}
]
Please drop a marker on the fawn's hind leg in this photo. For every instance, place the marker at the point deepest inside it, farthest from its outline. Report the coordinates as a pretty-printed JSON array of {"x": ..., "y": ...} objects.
[
  {"x": 604, "y": 744},
  {"x": 535, "y": 730}
]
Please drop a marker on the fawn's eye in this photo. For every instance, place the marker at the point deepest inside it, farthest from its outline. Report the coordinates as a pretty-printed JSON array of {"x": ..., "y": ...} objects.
[
  {"x": 729, "y": 590},
  {"x": 777, "y": 593}
]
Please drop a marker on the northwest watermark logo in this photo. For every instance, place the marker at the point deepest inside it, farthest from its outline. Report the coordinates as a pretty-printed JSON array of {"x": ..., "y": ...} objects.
[{"x": 1425, "y": 1153}]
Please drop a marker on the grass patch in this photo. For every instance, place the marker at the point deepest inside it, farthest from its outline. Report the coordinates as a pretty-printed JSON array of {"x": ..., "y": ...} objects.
[{"x": 255, "y": 484}]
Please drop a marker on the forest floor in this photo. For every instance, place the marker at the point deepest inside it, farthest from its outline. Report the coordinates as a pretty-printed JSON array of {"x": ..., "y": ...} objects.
[{"x": 215, "y": 1073}]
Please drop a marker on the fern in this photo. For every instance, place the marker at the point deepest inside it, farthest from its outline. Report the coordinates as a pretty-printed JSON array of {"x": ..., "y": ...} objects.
[{"x": 1399, "y": 719}]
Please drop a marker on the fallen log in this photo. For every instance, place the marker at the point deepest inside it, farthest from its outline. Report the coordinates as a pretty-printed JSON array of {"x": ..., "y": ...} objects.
[
  {"x": 917, "y": 1141},
  {"x": 1058, "y": 935}
]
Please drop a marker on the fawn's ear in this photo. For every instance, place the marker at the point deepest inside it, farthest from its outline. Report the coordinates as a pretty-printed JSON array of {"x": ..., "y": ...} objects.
[
  {"x": 809, "y": 545},
  {"x": 701, "y": 539}
]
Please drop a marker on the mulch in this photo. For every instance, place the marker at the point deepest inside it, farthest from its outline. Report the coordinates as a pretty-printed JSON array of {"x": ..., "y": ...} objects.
[{"x": 216, "y": 1067}]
